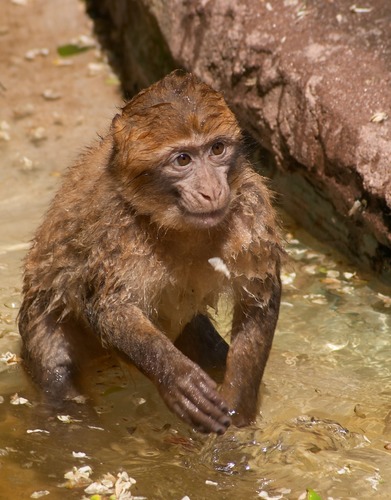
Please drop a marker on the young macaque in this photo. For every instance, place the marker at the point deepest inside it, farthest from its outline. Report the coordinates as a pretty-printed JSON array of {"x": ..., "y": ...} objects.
[{"x": 149, "y": 229}]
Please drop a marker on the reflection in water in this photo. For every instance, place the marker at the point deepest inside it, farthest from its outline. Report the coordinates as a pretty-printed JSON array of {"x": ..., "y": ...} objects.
[{"x": 324, "y": 421}]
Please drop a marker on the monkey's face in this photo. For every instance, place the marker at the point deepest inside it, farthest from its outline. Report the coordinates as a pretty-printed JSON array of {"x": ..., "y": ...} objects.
[
  {"x": 196, "y": 175},
  {"x": 176, "y": 149}
]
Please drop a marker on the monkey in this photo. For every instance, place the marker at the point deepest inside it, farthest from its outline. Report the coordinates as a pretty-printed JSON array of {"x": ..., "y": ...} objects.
[{"x": 151, "y": 226}]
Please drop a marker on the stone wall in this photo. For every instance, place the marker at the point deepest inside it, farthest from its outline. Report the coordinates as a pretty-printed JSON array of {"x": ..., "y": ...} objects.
[{"x": 311, "y": 85}]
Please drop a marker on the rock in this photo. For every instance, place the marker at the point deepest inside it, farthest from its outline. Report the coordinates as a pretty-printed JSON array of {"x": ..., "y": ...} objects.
[{"x": 311, "y": 84}]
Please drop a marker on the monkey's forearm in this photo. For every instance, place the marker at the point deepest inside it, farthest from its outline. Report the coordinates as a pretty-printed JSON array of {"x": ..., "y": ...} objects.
[{"x": 252, "y": 338}]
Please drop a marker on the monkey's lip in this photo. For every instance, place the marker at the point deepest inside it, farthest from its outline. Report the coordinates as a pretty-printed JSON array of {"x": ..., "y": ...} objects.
[{"x": 206, "y": 219}]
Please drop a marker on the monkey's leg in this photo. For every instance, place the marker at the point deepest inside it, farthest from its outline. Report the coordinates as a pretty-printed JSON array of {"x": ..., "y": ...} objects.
[
  {"x": 201, "y": 342},
  {"x": 47, "y": 356},
  {"x": 185, "y": 388},
  {"x": 252, "y": 336}
]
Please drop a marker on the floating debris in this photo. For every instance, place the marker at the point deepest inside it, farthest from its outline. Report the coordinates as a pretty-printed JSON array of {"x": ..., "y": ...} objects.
[
  {"x": 79, "y": 454},
  {"x": 40, "y": 494},
  {"x": 80, "y": 399},
  {"x": 67, "y": 419},
  {"x": 24, "y": 111},
  {"x": 379, "y": 117},
  {"x": 360, "y": 10},
  {"x": 57, "y": 119},
  {"x": 37, "y": 431},
  {"x": 78, "y": 476},
  {"x": 358, "y": 205},
  {"x": 95, "y": 69},
  {"x": 4, "y": 131},
  {"x": 332, "y": 273},
  {"x": 95, "y": 428},
  {"x": 51, "y": 95},
  {"x": 38, "y": 135},
  {"x": 109, "y": 485},
  {"x": 9, "y": 358},
  {"x": 77, "y": 46},
  {"x": 17, "y": 400},
  {"x": 287, "y": 278},
  {"x": 30, "y": 55},
  {"x": 385, "y": 299},
  {"x": 316, "y": 298},
  {"x": 312, "y": 495}
]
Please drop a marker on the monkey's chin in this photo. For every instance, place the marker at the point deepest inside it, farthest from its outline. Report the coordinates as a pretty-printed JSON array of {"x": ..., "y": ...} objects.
[{"x": 205, "y": 220}]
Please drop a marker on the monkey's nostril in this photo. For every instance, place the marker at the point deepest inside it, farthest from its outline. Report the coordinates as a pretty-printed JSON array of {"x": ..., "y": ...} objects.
[{"x": 206, "y": 196}]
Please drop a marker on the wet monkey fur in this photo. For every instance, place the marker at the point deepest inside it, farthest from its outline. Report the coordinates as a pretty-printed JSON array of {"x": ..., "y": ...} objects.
[{"x": 150, "y": 227}]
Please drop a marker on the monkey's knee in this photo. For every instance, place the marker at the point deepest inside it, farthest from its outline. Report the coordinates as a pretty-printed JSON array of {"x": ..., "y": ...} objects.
[{"x": 47, "y": 357}]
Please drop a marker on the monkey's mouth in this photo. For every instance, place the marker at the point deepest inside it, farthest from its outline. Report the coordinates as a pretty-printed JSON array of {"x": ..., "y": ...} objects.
[{"x": 206, "y": 219}]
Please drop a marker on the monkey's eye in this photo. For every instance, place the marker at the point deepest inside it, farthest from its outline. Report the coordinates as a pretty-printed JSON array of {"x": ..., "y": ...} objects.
[
  {"x": 183, "y": 159},
  {"x": 218, "y": 148}
]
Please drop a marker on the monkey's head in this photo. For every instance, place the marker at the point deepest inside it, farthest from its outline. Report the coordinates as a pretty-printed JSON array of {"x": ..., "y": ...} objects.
[{"x": 176, "y": 150}]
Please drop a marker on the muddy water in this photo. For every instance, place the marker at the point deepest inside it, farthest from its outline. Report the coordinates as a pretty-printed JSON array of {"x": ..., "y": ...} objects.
[{"x": 325, "y": 416}]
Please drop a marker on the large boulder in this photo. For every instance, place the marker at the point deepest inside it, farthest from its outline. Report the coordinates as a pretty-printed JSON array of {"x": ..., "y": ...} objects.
[{"x": 312, "y": 85}]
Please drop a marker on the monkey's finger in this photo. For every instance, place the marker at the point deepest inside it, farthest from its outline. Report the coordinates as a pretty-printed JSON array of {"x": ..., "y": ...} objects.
[
  {"x": 207, "y": 401},
  {"x": 202, "y": 422},
  {"x": 213, "y": 396}
]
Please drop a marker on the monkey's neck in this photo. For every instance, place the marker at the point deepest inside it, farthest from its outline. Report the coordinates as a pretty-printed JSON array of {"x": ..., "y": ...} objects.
[{"x": 194, "y": 244}]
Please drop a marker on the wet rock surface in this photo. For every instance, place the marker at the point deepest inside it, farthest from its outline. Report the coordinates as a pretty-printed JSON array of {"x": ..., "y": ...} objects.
[{"x": 310, "y": 83}]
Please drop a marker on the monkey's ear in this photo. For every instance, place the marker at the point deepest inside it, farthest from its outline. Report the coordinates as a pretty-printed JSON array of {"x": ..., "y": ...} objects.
[
  {"x": 116, "y": 125},
  {"x": 118, "y": 129}
]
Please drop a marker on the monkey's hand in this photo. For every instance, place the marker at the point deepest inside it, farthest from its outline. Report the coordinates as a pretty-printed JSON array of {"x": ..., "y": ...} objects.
[
  {"x": 191, "y": 394},
  {"x": 185, "y": 388}
]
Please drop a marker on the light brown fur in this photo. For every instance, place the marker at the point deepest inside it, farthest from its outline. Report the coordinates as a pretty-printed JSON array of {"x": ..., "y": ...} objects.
[{"x": 117, "y": 254}]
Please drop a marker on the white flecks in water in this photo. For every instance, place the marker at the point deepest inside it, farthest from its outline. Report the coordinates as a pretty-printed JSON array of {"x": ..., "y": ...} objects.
[
  {"x": 67, "y": 419},
  {"x": 9, "y": 358},
  {"x": 31, "y": 54},
  {"x": 40, "y": 494},
  {"x": 288, "y": 278},
  {"x": 4, "y": 131},
  {"x": 379, "y": 117},
  {"x": 78, "y": 476},
  {"x": 79, "y": 454},
  {"x": 38, "y": 134},
  {"x": 51, "y": 95},
  {"x": 16, "y": 400}
]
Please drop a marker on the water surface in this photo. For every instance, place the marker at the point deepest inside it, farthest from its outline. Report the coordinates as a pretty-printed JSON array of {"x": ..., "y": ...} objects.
[{"x": 325, "y": 414}]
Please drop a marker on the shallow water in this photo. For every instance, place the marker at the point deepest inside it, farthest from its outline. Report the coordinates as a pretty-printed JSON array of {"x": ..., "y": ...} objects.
[{"x": 325, "y": 414}]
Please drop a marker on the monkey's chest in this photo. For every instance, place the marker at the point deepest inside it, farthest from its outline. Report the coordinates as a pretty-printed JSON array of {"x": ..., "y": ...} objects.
[{"x": 183, "y": 298}]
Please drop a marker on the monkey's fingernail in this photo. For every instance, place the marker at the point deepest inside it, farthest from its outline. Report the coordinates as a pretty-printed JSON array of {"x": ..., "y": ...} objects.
[
  {"x": 221, "y": 430},
  {"x": 226, "y": 422}
]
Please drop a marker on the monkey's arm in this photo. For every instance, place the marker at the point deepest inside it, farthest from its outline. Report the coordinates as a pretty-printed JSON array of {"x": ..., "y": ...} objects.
[
  {"x": 185, "y": 388},
  {"x": 252, "y": 335}
]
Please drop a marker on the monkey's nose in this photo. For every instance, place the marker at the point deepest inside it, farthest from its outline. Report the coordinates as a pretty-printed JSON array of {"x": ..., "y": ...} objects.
[{"x": 214, "y": 196}]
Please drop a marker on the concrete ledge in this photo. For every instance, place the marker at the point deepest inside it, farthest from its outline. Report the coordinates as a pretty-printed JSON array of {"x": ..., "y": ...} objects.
[{"x": 309, "y": 84}]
